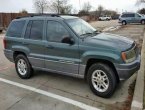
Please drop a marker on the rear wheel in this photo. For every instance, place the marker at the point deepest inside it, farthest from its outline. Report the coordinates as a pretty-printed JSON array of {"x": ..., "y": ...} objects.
[
  {"x": 102, "y": 80},
  {"x": 142, "y": 21},
  {"x": 124, "y": 22},
  {"x": 23, "y": 67}
]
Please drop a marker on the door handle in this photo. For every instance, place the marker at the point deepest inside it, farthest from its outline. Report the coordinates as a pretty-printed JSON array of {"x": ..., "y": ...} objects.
[{"x": 49, "y": 46}]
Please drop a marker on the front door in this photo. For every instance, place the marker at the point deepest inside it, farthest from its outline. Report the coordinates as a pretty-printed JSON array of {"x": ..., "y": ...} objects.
[
  {"x": 138, "y": 18},
  {"x": 60, "y": 57}
]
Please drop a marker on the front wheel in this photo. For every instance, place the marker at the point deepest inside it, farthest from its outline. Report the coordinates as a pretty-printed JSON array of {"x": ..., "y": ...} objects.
[
  {"x": 124, "y": 22},
  {"x": 102, "y": 80},
  {"x": 142, "y": 21}
]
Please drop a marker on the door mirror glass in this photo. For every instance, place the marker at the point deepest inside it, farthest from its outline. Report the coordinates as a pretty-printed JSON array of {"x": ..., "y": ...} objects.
[{"x": 68, "y": 40}]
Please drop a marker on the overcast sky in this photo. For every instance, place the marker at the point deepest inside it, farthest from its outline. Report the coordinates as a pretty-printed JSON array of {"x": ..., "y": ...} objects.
[{"x": 119, "y": 5}]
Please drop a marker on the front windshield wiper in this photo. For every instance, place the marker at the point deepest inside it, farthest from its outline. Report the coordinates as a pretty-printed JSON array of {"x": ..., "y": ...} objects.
[
  {"x": 86, "y": 34},
  {"x": 90, "y": 33}
]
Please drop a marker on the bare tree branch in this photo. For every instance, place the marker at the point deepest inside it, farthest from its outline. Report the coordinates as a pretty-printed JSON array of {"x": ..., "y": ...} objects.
[
  {"x": 61, "y": 6},
  {"x": 41, "y": 5},
  {"x": 87, "y": 7},
  {"x": 138, "y": 2},
  {"x": 100, "y": 9}
]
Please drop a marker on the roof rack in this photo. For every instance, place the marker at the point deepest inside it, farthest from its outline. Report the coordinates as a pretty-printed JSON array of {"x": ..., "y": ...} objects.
[{"x": 34, "y": 15}]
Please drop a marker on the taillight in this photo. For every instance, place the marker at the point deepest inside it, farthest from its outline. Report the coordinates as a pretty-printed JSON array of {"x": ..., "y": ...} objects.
[{"x": 4, "y": 42}]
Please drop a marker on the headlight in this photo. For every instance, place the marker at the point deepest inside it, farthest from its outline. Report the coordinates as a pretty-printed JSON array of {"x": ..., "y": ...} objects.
[{"x": 129, "y": 56}]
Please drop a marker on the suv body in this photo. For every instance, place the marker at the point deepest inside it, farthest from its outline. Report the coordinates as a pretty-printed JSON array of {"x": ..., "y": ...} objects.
[
  {"x": 56, "y": 44},
  {"x": 127, "y": 17}
]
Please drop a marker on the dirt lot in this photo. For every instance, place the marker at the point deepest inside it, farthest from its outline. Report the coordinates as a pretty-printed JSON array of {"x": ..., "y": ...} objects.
[
  {"x": 16, "y": 98},
  {"x": 104, "y": 24}
]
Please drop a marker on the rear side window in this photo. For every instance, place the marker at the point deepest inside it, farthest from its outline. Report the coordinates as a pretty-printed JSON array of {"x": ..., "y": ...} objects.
[
  {"x": 124, "y": 15},
  {"x": 131, "y": 15},
  {"x": 128, "y": 15},
  {"x": 34, "y": 30},
  {"x": 16, "y": 29}
]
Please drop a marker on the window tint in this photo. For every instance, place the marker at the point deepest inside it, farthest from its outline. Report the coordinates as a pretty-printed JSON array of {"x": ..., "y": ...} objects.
[
  {"x": 130, "y": 15},
  {"x": 137, "y": 15},
  {"x": 124, "y": 15},
  {"x": 56, "y": 31},
  {"x": 16, "y": 29},
  {"x": 34, "y": 30}
]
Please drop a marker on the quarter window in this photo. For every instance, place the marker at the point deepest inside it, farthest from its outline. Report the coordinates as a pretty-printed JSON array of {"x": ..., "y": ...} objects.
[
  {"x": 56, "y": 31},
  {"x": 16, "y": 29}
]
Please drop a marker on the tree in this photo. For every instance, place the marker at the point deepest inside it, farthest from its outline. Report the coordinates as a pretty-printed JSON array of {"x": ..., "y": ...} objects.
[
  {"x": 100, "y": 10},
  {"x": 110, "y": 12},
  {"x": 87, "y": 7},
  {"x": 41, "y": 5},
  {"x": 23, "y": 11},
  {"x": 83, "y": 12},
  {"x": 61, "y": 6},
  {"x": 139, "y": 2},
  {"x": 141, "y": 11}
]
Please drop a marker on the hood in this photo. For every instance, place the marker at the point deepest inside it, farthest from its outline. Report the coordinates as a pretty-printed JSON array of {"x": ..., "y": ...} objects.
[{"x": 111, "y": 41}]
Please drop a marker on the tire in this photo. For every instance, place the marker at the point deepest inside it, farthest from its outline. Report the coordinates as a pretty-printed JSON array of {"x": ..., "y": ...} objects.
[
  {"x": 142, "y": 21},
  {"x": 25, "y": 66},
  {"x": 109, "y": 79},
  {"x": 124, "y": 22}
]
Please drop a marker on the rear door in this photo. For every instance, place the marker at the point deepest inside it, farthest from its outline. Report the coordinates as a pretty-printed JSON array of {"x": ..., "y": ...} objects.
[
  {"x": 34, "y": 43},
  {"x": 131, "y": 18},
  {"x": 61, "y": 57}
]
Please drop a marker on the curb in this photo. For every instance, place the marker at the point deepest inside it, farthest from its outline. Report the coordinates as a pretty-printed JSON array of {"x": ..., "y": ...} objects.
[{"x": 137, "y": 102}]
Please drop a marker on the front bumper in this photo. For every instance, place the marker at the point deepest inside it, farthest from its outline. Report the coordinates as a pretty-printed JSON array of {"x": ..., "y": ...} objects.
[{"x": 125, "y": 71}]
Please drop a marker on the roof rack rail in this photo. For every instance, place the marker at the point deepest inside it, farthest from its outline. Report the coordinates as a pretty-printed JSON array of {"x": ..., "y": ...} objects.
[{"x": 34, "y": 15}]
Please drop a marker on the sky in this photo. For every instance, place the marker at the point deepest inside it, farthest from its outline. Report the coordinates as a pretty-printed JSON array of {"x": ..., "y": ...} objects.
[{"x": 118, "y": 5}]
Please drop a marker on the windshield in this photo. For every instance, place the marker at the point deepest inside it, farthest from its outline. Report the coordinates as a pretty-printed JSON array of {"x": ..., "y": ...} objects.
[{"x": 80, "y": 26}]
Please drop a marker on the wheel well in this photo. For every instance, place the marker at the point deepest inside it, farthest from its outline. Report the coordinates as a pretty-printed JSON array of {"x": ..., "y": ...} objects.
[
  {"x": 16, "y": 53},
  {"x": 93, "y": 61},
  {"x": 142, "y": 20},
  {"x": 124, "y": 21}
]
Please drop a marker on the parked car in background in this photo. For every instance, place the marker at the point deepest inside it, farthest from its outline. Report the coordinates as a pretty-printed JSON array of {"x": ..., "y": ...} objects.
[
  {"x": 70, "y": 46},
  {"x": 129, "y": 17},
  {"x": 105, "y": 18}
]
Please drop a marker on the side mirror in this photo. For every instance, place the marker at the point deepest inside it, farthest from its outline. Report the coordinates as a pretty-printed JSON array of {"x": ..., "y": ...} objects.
[{"x": 68, "y": 40}]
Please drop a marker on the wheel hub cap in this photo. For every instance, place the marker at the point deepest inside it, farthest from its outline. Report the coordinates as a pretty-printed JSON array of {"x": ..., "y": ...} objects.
[
  {"x": 100, "y": 80},
  {"x": 22, "y": 67}
]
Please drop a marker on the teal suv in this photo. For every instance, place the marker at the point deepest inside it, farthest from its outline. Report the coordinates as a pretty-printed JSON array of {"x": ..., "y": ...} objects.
[{"x": 70, "y": 46}]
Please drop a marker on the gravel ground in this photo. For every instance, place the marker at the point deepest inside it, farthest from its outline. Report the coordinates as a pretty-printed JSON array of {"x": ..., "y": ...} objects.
[{"x": 101, "y": 25}]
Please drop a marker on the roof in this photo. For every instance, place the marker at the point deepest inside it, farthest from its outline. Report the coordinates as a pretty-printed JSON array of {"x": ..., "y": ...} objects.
[{"x": 54, "y": 16}]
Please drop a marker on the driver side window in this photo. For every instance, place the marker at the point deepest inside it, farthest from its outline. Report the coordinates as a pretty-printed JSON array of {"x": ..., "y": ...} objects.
[{"x": 56, "y": 31}]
